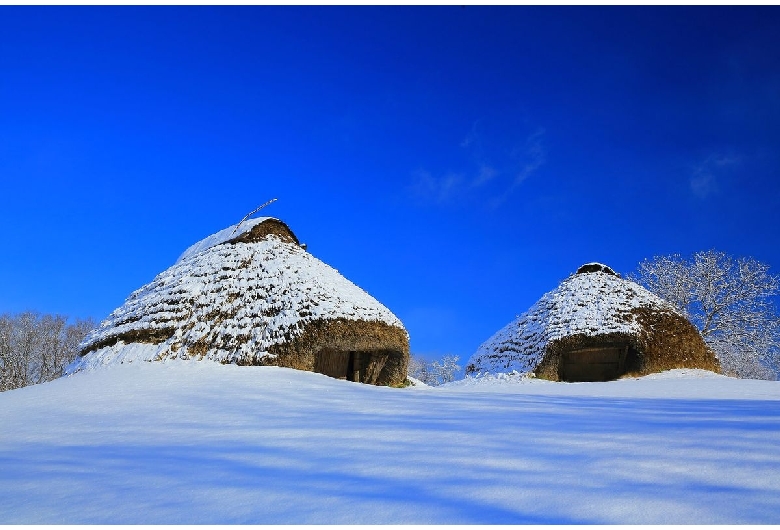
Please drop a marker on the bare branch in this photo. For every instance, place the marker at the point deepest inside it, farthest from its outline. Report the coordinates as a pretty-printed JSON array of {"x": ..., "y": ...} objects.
[
  {"x": 730, "y": 301},
  {"x": 36, "y": 348}
]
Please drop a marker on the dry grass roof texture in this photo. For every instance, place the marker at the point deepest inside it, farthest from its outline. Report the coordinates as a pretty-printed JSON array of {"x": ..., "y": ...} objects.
[
  {"x": 248, "y": 296},
  {"x": 594, "y": 307}
]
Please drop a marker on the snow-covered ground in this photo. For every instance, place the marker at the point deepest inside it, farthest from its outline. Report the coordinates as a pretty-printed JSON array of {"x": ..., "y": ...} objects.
[{"x": 199, "y": 442}]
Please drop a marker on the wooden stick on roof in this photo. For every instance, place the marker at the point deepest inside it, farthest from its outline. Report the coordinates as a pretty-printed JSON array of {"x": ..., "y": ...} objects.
[{"x": 252, "y": 213}]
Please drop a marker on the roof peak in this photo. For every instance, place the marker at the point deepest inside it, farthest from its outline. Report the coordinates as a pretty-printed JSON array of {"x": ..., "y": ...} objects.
[
  {"x": 236, "y": 232},
  {"x": 596, "y": 267}
]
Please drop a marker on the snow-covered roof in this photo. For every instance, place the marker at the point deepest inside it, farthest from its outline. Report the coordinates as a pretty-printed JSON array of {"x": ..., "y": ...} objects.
[
  {"x": 231, "y": 232},
  {"x": 229, "y": 303},
  {"x": 591, "y": 302}
]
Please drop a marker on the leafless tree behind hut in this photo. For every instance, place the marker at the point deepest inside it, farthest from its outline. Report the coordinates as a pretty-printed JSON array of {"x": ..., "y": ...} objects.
[
  {"x": 730, "y": 301},
  {"x": 434, "y": 373}
]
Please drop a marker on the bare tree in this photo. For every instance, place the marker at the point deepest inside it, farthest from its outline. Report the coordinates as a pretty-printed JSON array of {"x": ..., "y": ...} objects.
[
  {"x": 8, "y": 357},
  {"x": 36, "y": 348},
  {"x": 420, "y": 369},
  {"x": 730, "y": 301},
  {"x": 445, "y": 369},
  {"x": 434, "y": 373}
]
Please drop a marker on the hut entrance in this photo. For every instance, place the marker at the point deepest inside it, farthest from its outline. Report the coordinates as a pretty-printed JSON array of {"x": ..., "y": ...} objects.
[
  {"x": 593, "y": 364},
  {"x": 357, "y": 366}
]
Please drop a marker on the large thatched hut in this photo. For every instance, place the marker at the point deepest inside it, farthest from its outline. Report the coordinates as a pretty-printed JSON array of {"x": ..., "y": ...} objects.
[
  {"x": 252, "y": 295},
  {"x": 595, "y": 326}
]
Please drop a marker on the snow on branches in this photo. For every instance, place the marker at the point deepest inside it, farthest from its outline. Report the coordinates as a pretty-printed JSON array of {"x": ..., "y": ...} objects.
[
  {"x": 729, "y": 300},
  {"x": 36, "y": 348},
  {"x": 434, "y": 373}
]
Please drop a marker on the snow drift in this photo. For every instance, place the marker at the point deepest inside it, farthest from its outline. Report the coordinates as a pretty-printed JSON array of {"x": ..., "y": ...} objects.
[{"x": 184, "y": 442}]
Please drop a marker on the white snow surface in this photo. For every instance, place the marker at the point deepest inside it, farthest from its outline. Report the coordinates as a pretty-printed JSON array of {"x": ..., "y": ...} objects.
[
  {"x": 222, "y": 236},
  {"x": 591, "y": 304},
  {"x": 182, "y": 442},
  {"x": 263, "y": 293}
]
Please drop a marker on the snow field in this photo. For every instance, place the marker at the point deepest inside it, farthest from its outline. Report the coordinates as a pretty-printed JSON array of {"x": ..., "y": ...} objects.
[{"x": 200, "y": 442}]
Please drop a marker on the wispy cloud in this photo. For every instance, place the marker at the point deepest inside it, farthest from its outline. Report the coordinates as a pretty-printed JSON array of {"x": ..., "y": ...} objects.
[
  {"x": 528, "y": 158},
  {"x": 472, "y": 138},
  {"x": 494, "y": 177},
  {"x": 705, "y": 176},
  {"x": 438, "y": 189},
  {"x": 531, "y": 156},
  {"x": 486, "y": 174}
]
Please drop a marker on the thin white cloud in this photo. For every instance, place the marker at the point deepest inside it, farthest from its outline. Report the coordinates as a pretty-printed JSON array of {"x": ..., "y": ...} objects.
[
  {"x": 533, "y": 156},
  {"x": 437, "y": 189},
  {"x": 471, "y": 138},
  {"x": 704, "y": 180},
  {"x": 702, "y": 184},
  {"x": 513, "y": 168},
  {"x": 529, "y": 157},
  {"x": 486, "y": 174}
]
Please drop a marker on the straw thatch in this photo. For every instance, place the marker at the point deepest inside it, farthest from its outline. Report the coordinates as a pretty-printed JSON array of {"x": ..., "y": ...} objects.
[
  {"x": 595, "y": 326},
  {"x": 254, "y": 296}
]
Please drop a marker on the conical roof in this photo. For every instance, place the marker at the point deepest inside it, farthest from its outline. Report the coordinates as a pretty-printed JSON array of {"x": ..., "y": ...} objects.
[
  {"x": 231, "y": 297},
  {"x": 593, "y": 302}
]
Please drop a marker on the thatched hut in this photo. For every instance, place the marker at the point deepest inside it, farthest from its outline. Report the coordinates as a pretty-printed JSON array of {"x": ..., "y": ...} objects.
[
  {"x": 252, "y": 295},
  {"x": 595, "y": 326}
]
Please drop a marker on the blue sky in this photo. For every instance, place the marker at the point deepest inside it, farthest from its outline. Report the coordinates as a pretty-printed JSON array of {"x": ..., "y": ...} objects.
[{"x": 456, "y": 163}]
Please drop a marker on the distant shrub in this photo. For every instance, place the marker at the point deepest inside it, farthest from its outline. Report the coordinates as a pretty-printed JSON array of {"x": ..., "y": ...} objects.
[
  {"x": 36, "y": 348},
  {"x": 434, "y": 373}
]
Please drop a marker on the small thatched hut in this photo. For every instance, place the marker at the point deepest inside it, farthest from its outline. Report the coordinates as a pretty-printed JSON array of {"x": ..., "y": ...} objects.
[
  {"x": 252, "y": 295},
  {"x": 595, "y": 326}
]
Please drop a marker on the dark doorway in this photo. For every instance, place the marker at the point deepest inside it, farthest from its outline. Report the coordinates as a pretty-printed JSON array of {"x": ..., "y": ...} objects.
[
  {"x": 347, "y": 365},
  {"x": 332, "y": 363},
  {"x": 357, "y": 366},
  {"x": 593, "y": 364}
]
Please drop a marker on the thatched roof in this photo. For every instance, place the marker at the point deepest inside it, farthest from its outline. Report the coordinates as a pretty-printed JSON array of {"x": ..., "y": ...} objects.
[
  {"x": 247, "y": 295},
  {"x": 594, "y": 308}
]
